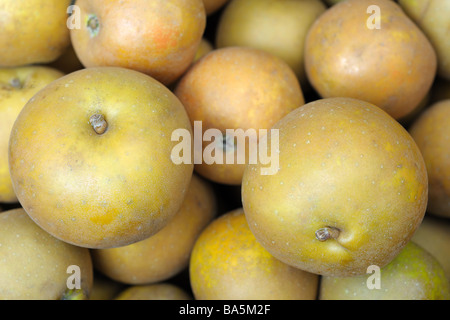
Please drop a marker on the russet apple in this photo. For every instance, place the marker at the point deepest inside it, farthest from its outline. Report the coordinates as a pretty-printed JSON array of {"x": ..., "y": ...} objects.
[
  {"x": 32, "y": 31},
  {"x": 431, "y": 131},
  {"x": 414, "y": 274},
  {"x": 165, "y": 254},
  {"x": 157, "y": 37},
  {"x": 37, "y": 266},
  {"x": 276, "y": 26},
  {"x": 235, "y": 88},
  {"x": 228, "y": 262},
  {"x": 350, "y": 191},
  {"x": 157, "y": 291},
  {"x": 372, "y": 51},
  {"x": 17, "y": 86},
  {"x": 90, "y": 157}
]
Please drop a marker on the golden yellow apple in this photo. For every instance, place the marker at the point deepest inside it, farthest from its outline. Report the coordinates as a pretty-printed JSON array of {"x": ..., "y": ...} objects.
[
  {"x": 350, "y": 190},
  {"x": 32, "y": 31},
  {"x": 37, "y": 266},
  {"x": 90, "y": 157},
  {"x": 165, "y": 254},
  {"x": 17, "y": 86},
  {"x": 228, "y": 262}
]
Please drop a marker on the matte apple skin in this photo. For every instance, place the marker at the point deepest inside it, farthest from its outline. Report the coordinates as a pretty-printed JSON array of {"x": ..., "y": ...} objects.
[
  {"x": 12, "y": 100},
  {"x": 33, "y": 31},
  {"x": 158, "y": 37},
  {"x": 414, "y": 274},
  {"x": 157, "y": 291},
  {"x": 392, "y": 67},
  {"x": 35, "y": 264},
  {"x": 432, "y": 17},
  {"x": 237, "y": 88},
  {"x": 227, "y": 262},
  {"x": 103, "y": 190},
  {"x": 343, "y": 163},
  {"x": 431, "y": 131},
  {"x": 165, "y": 254}
]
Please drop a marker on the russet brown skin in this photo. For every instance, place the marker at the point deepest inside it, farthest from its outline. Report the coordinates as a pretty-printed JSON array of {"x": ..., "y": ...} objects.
[
  {"x": 392, "y": 67},
  {"x": 160, "y": 39},
  {"x": 237, "y": 88},
  {"x": 32, "y": 31},
  {"x": 211, "y": 6},
  {"x": 96, "y": 189},
  {"x": 431, "y": 131},
  {"x": 348, "y": 172}
]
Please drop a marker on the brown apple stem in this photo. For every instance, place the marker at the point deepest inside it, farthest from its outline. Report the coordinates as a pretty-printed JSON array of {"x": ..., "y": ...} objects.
[
  {"x": 98, "y": 123},
  {"x": 324, "y": 234}
]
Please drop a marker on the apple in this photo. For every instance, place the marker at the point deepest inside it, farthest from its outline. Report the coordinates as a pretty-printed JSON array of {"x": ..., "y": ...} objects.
[
  {"x": 37, "y": 266},
  {"x": 156, "y": 291},
  {"x": 433, "y": 235},
  {"x": 432, "y": 17},
  {"x": 90, "y": 157},
  {"x": 228, "y": 263},
  {"x": 165, "y": 254},
  {"x": 32, "y": 31},
  {"x": 235, "y": 88},
  {"x": 372, "y": 51},
  {"x": 350, "y": 191},
  {"x": 414, "y": 274},
  {"x": 431, "y": 131},
  {"x": 278, "y": 27},
  {"x": 17, "y": 86},
  {"x": 156, "y": 37},
  {"x": 211, "y": 6}
]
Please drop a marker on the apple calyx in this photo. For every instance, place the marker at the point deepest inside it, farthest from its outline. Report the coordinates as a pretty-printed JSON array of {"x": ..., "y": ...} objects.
[
  {"x": 74, "y": 294},
  {"x": 15, "y": 83},
  {"x": 93, "y": 25},
  {"x": 98, "y": 123},
  {"x": 324, "y": 234}
]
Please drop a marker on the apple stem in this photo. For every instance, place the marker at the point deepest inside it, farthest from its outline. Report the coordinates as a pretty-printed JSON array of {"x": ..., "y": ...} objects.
[
  {"x": 98, "y": 123},
  {"x": 324, "y": 234}
]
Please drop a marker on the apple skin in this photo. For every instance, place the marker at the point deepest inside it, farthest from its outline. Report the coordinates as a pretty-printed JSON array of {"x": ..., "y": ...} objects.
[
  {"x": 35, "y": 264},
  {"x": 99, "y": 190},
  {"x": 161, "y": 39},
  {"x": 157, "y": 291},
  {"x": 17, "y": 86},
  {"x": 392, "y": 67},
  {"x": 432, "y": 17},
  {"x": 32, "y": 31},
  {"x": 431, "y": 131},
  {"x": 228, "y": 262},
  {"x": 278, "y": 27},
  {"x": 237, "y": 88},
  {"x": 414, "y": 274},
  {"x": 345, "y": 164},
  {"x": 165, "y": 254}
]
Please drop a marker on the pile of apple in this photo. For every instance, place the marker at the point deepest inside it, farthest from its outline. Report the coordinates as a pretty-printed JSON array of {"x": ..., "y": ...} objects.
[{"x": 224, "y": 150}]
